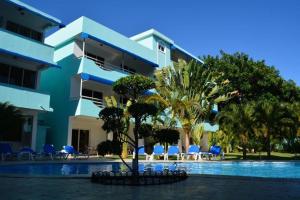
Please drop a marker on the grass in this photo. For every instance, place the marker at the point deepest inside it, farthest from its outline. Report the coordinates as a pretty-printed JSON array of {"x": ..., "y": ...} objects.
[
  {"x": 238, "y": 156},
  {"x": 262, "y": 156}
]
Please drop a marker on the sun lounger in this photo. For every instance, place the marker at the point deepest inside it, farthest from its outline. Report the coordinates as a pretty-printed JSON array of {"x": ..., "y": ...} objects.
[
  {"x": 49, "y": 150},
  {"x": 172, "y": 151},
  {"x": 27, "y": 151},
  {"x": 193, "y": 151},
  {"x": 6, "y": 150},
  {"x": 141, "y": 152},
  {"x": 69, "y": 150},
  {"x": 213, "y": 152},
  {"x": 158, "y": 150}
]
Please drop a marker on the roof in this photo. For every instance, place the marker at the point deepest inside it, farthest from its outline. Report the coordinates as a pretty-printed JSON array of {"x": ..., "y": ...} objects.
[
  {"x": 85, "y": 27},
  {"x": 35, "y": 11},
  {"x": 151, "y": 32},
  {"x": 154, "y": 32},
  {"x": 175, "y": 46}
]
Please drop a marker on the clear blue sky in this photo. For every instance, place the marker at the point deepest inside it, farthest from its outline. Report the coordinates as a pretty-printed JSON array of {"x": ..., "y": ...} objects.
[{"x": 264, "y": 29}]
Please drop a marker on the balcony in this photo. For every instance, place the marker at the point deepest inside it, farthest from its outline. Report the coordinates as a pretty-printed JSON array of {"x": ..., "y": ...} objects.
[
  {"x": 101, "y": 69},
  {"x": 24, "y": 98},
  {"x": 22, "y": 46},
  {"x": 86, "y": 107}
]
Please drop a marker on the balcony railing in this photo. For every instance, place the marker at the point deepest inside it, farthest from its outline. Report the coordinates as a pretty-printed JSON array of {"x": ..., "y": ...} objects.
[
  {"x": 98, "y": 102},
  {"x": 108, "y": 66}
]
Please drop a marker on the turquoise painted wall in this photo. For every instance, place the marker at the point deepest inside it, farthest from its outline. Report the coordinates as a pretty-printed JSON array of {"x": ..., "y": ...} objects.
[{"x": 58, "y": 84}]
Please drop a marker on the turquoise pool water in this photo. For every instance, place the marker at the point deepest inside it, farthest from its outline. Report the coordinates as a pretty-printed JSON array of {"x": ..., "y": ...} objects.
[{"x": 252, "y": 169}]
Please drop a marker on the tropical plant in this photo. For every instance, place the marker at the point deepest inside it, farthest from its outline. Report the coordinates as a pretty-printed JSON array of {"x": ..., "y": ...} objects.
[
  {"x": 278, "y": 120},
  {"x": 167, "y": 136},
  {"x": 10, "y": 118},
  {"x": 188, "y": 92},
  {"x": 135, "y": 88},
  {"x": 239, "y": 119}
]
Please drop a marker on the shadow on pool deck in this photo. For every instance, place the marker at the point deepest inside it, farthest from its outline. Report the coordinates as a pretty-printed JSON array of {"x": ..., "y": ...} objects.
[{"x": 194, "y": 187}]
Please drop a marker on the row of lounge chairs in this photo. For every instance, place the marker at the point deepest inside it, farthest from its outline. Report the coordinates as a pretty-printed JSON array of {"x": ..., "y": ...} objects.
[
  {"x": 173, "y": 151},
  {"x": 48, "y": 151}
]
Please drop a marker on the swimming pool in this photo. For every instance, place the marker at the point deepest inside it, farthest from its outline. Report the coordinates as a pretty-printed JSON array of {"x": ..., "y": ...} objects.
[{"x": 252, "y": 169}]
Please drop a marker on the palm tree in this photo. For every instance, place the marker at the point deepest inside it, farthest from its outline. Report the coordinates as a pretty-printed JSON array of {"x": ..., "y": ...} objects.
[
  {"x": 277, "y": 120},
  {"x": 188, "y": 91},
  {"x": 10, "y": 118},
  {"x": 239, "y": 120}
]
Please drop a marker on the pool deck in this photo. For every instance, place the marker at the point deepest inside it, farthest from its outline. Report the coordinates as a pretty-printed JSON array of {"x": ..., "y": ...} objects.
[{"x": 195, "y": 187}]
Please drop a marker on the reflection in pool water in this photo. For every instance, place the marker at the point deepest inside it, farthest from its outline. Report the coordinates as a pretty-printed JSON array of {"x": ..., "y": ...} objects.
[{"x": 256, "y": 169}]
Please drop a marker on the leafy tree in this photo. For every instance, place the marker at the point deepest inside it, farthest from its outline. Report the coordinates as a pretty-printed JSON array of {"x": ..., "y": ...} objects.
[
  {"x": 239, "y": 119},
  {"x": 277, "y": 119},
  {"x": 10, "y": 118},
  {"x": 133, "y": 87},
  {"x": 188, "y": 92},
  {"x": 256, "y": 81},
  {"x": 167, "y": 136}
]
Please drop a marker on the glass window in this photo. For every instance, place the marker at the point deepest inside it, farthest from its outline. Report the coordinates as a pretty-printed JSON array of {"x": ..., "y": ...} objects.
[
  {"x": 36, "y": 35},
  {"x": 29, "y": 79},
  {"x": 161, "y": 48},
  {"x": 87, "y": 93},
  {"x": 4, "y": 73},
  {"x": 97, "y": 95},
  {"x": 25, "y": 31},
  {"x": 12, "y": 27},
  {"x": 16, "y": 75}
]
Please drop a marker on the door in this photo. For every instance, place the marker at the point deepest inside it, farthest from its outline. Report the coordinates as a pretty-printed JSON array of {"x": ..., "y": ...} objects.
[{"x": 80, "y": 140}]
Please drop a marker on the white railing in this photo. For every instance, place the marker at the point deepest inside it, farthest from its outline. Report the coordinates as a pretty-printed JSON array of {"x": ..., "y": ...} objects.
[
  {"x": 98, "y": 102},
  {"x": 108, "y": 66}
]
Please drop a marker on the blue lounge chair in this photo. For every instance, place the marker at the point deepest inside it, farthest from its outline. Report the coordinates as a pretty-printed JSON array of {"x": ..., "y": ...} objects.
[
  {"x": 6, "y": 150},
  {"x": 141, "y": 152},
  {"x": 172, "y": 151},
  {"x": 27, "y": 151},
  {"x": 69, "y": 150},
  {"x": 158, "y": 150},
  {"x": 49, "y": 150},
  {"x": 193, "y": 151},
  {"x": 214, "y": 151}
]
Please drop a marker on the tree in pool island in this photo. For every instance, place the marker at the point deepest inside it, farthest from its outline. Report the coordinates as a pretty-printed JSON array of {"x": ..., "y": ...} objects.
[{"x": 135, "y": 88}]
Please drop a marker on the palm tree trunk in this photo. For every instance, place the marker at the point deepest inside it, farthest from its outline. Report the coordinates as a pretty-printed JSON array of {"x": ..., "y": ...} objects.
[
  {"x": 244, "y": 152},
  {"x": 186, "y": 131},
  {"x": 268, "y": 140},
  {"x": 135, "y": 161}
]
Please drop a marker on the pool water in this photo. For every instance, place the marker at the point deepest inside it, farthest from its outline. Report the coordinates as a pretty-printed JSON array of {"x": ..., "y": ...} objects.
[{"x": 252, "y": 169}]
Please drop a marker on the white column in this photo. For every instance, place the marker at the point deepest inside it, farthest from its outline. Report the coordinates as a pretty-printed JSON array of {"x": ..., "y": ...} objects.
[
  {"x": 34, "y": 131},
  {"x": 70, "y": 126}
]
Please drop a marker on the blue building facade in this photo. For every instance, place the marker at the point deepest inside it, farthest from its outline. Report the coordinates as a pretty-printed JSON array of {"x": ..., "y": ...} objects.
[
  {"x": 92, "y": 57},
  {"x": 23, "y": 56}
]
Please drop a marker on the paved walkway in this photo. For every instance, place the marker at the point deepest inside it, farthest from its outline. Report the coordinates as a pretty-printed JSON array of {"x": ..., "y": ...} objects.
[{"x": 193, "y": 188}]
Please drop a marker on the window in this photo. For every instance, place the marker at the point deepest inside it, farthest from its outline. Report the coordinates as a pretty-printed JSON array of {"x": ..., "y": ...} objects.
[
  {"x": 29, "y": 79},
  {"x": 17, "y": 76},
  {"x": 4, "y": 73},
  {"x": 95, "y": 96},
  {"x": 87, "y": 93},
  {"x": 98, "y": 59},
  {"x": 25, "y": 31},
  {"x": 129, "y": 70},
  {"x": 161, "y": 48}
]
